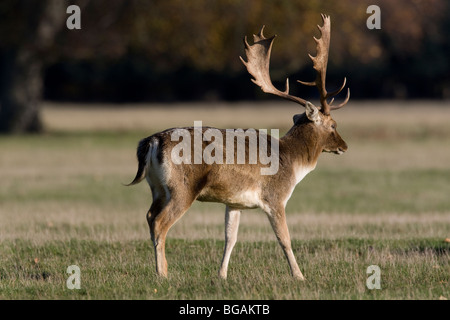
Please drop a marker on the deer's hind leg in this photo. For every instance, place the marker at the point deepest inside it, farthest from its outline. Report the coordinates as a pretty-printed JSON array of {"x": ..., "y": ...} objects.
[
  {"x": 167, "y": 208},
  {"x": 160, "y": 224}
]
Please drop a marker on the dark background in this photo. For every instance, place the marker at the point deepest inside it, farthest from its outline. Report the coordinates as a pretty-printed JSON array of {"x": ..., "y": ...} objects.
[{"x": 177, "y": 50}]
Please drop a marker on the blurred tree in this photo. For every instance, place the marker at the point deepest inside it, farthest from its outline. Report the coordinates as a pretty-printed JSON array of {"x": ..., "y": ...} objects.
[{"x": 27, "y": 32}]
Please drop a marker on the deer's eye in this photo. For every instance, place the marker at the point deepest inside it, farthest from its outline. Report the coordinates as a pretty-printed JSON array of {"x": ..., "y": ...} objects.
[{"x": 333, "y": 126}]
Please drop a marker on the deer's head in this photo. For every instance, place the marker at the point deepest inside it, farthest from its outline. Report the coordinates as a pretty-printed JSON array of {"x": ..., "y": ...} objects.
[
  {"x": 316, "y": 118},
  {"x": 322, "y": 128}
]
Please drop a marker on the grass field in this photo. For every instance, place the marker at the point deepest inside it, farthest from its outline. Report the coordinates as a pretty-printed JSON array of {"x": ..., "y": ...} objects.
[{"x": 385, "y": 202}]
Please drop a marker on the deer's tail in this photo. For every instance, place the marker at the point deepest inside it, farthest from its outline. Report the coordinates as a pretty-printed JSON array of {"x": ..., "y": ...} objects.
[{"x": 142, "y": 152}]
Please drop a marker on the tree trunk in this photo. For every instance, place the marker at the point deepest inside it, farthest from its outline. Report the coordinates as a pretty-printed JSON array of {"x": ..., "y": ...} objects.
[
  {"x": 20, "y": 92},
  {"x": 22, "y": 61}
]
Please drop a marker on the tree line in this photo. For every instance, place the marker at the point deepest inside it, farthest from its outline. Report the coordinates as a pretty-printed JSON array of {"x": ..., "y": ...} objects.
[{"x": 176, "y": 50}]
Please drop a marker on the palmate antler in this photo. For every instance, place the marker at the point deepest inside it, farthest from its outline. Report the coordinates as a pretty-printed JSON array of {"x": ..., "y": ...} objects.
[
  {"x": 258, "y": 56},
  {"x": 320, "y": 62}
]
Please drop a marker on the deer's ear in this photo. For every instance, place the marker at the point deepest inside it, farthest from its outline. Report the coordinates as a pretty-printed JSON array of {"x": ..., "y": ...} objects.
[{"x": 312, "y": 112}]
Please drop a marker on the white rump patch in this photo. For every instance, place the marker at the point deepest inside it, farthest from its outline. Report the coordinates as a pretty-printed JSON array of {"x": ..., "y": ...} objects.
[{"x": 157, "y": 173}]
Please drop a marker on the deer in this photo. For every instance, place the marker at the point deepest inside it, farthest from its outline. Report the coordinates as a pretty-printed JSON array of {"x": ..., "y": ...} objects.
[{"x": 241, "y": 186}]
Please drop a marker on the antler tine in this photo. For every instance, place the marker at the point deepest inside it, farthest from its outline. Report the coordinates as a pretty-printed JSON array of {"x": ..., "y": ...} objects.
[
  {"x": 343, "y": 103},
  {"x": 257, "y": 64},
  {"x": 336, "y": 92},
  {"x": 329, "y": 94}
]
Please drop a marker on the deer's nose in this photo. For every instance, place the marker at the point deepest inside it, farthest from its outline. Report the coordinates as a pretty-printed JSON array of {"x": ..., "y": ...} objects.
[{"x": 343, "y": 148}]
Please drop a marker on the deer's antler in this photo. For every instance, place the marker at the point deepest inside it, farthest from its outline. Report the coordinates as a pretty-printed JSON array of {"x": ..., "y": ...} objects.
[
  {"x": 320, "y": 62},
  {"x": 258, "y": 56}
]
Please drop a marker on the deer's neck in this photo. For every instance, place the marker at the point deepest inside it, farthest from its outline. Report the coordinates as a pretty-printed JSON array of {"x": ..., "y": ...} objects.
[{"x": 301, "y": 146}]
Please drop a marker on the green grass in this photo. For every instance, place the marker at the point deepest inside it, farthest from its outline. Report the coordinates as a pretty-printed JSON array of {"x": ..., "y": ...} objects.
[
  {"x": 120, "y": 270},
  {"x": 383, "y": 203}
]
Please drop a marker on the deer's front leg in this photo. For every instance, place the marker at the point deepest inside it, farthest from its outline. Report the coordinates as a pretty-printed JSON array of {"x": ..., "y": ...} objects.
[
  {"x": 232, "y": 217},
  {"x": 277, "y": 219}
]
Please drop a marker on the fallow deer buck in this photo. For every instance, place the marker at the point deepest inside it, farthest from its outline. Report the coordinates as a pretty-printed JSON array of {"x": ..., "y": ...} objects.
[{"x": 175, "y": 187}]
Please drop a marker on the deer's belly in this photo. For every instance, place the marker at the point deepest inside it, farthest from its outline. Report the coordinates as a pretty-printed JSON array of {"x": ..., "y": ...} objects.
[{"x": 245, "y": 199}]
